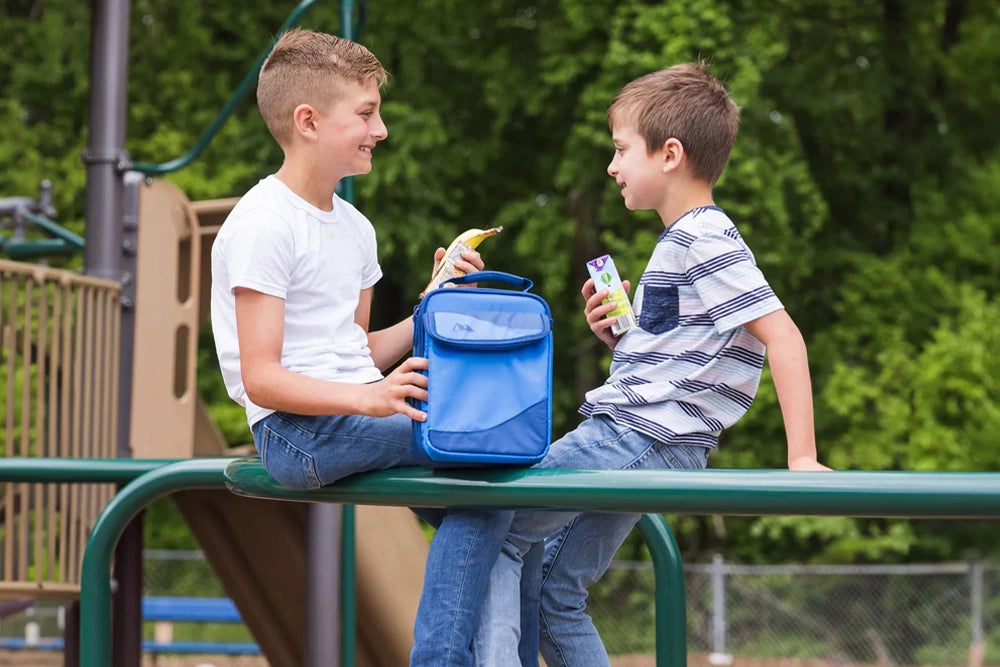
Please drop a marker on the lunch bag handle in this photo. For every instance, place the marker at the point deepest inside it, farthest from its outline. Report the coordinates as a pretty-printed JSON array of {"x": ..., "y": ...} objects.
[{"x": 508, "y": 279}]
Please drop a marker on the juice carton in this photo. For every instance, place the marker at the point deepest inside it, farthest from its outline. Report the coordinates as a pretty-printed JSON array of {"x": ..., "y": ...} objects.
[{"x": 602, "y": 270}]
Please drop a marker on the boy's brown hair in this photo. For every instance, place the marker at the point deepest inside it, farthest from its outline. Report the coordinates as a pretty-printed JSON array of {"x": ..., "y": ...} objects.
[
  {"x": 307, "y": 67},
  {"x": 687, "y": 103}
]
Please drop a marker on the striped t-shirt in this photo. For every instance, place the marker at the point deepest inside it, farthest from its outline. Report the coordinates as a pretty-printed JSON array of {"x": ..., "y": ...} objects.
[{"x": 690, "y": 369}]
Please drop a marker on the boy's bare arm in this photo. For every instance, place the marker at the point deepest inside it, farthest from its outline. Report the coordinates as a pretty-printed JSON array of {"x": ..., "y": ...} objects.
[
  {"x": 388, "y": 345},
  {"x": 789, "y": 363},
  {"x": 260, "y": 329}
]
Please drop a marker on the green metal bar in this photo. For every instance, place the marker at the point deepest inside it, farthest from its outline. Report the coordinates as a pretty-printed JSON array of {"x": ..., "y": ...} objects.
[
  {"x": 55, "y": 229},
  {"x": 731, "y": 492},
  {"x": 66, "y": 243},
  {"x": 671, "y": 598},
  {"x": 751, "y": 492},
  {"x": 67, "y": 471},
  {"x": 346, "y": 186},
  {"x": 347, "y": 19},
  {"x": 22, "y": 250},
  {"x": 95, "y": 577},
  {"x": 248, "y": 82},
  {"x": 348, "y": 554}
]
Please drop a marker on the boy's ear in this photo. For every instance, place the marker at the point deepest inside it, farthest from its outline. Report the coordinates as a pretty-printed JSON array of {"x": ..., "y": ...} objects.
[
  {"x": 673, "y": 154},
  {"x": 304, "y": 119}
]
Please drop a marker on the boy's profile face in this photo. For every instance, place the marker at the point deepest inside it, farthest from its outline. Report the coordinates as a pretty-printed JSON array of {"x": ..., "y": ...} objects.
[
  {"x": 348, "y": 129},
  {"x": 637, "y": 172}
]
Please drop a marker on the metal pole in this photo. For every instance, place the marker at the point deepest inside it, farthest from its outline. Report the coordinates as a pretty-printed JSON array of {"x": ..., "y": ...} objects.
[
  {"x": 347, "y": 32},
  {"x": 127, "y": 624},
  {"x": 329, "y": 637},
  {"x": 105, "y": 157},
  {"x": 348, "y": 568},
  {"x": 106, "y": 160},
  {"x": 71, "y": 635},
  {"x": 977, "y": 647},
  {"x": 323, "y": 591},
  {"x": 129, "y": 244},
  {"x": 719, "y": 656},
  {"x": 348, "y": 588},
  {"x": 128, "y": 556}
]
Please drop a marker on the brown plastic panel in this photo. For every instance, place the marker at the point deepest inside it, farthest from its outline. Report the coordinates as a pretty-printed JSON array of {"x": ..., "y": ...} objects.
[{"x": 166, "y": 324}]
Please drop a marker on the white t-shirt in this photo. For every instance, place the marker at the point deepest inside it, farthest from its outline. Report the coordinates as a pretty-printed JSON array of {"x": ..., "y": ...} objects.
[{"x": 318, "y": 261}]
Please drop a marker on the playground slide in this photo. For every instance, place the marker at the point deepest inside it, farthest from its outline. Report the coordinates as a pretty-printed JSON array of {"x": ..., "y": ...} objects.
[{"x": 258, "y": 550}]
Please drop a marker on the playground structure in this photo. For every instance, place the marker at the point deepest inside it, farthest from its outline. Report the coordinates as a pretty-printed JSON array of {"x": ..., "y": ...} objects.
[
  {"x": 60, "y": 342},
  {"x": 58, "y": 361},
  {"x": 103, "y": 366},
  {"x": 258, "y": 549}
]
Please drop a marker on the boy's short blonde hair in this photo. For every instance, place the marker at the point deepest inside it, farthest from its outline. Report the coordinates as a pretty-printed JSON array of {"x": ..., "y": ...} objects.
[
  {"x": 687, "y": 103},
  {"x": 307, "y": 67}
]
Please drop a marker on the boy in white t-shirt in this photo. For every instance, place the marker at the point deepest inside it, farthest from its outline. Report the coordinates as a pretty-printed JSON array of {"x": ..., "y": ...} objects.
[{"x": 293, "y": 269}]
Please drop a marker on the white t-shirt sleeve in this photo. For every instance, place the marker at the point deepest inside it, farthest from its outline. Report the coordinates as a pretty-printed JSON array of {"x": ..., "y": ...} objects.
[
  {"x": 371, "y": 271},
  {"x": 732, "y": 288},
  {"x": 260, "y": 253}
]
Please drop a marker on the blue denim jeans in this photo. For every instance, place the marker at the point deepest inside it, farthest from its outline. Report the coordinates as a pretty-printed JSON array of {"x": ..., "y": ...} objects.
[
  {"x": 578, "y": 550},
  {"x": 306, "y": 452},
  {"x": 459, "y": 562}
]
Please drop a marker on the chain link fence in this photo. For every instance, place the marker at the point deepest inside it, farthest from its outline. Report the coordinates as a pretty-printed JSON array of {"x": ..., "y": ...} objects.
[
  {"x": 932, "y": 614},
  {"x": 172, "y": 573},
  {"x": 180, "y": 573},
  {"x": 944, "y": 614},
  {"x": 936, "y": 614}
]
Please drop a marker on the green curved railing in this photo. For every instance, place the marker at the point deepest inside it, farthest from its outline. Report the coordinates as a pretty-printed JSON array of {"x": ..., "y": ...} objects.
[
  {"x": 713, "y": 491},
  {"x": 732, "y": 492},
  {"x": 208, "y": 473},
  {"x": 168, "y": 475},
  {"x": 70, "y": 471},
  {"x": 246, "y": 85}
]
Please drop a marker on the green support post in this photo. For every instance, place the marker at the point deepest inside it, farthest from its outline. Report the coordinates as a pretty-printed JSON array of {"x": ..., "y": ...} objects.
[
  {"x": 348, "y": 556},
  {"x": 95, "y": 577},
  {"x": 671, "y": 598}
]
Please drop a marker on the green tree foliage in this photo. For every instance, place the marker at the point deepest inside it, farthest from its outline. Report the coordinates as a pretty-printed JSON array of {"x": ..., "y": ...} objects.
[{"x": 865, "y": 179}]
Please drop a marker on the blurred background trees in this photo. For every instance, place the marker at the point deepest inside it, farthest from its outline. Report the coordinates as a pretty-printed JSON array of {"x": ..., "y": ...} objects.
[{"x": 866, "y": 178}]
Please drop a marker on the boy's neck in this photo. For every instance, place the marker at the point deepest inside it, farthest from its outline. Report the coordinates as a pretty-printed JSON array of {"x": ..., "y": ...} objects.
[
  {"x": 694, "y": 194},
  {"x": 308, "y": 183}
]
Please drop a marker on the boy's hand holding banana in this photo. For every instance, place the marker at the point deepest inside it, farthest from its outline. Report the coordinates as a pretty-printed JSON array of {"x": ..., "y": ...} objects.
[{"x": 467, "y": 240}]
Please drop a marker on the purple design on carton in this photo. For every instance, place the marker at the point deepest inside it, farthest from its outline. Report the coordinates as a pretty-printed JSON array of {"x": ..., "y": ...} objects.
[{"x": 599, "y": 262}]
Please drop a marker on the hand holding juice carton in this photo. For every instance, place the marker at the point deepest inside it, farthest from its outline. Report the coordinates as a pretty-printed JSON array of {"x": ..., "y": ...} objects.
[{"x": 605, "y": 275}]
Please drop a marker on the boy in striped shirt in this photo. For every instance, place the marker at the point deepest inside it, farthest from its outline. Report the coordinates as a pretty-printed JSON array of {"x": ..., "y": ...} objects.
[{"x": 706, "y": 316}]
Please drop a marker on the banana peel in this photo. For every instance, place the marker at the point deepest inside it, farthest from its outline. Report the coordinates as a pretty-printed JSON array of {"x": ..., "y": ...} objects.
[{"x": 467, "y": 240}]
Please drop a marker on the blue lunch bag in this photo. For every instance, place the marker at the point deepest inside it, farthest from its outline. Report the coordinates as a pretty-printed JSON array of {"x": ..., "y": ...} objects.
[{"x": 489, "y": 355}]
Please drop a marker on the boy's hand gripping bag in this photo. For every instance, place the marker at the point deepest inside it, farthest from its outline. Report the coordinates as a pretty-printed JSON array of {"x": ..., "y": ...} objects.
[{"x": 489, "y": 394}]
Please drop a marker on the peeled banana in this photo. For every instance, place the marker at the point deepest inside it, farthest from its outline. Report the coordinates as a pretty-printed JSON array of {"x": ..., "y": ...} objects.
[{"x": 467, "y": 240}]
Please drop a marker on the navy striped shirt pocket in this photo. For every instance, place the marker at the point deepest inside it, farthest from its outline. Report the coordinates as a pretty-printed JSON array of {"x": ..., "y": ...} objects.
[{"x": 660, "y": 309}]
